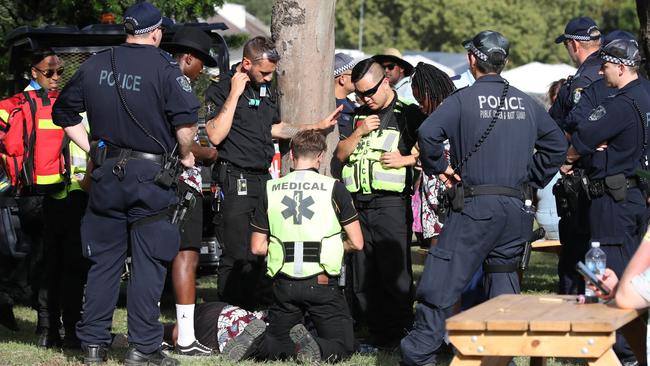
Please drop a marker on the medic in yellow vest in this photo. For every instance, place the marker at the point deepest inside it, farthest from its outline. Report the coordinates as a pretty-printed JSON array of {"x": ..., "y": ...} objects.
[{"x": 298, "y": 226}]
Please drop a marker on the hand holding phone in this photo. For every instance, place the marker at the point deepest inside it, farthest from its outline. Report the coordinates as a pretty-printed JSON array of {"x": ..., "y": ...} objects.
[{"x": 591, "y": 278}]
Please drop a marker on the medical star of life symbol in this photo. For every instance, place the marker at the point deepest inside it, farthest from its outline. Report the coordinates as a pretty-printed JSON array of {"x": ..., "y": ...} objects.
[{"x": 297, "y": 207}]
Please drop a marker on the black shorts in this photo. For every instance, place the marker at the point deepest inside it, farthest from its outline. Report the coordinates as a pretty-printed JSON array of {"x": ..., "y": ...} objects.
[{"x": 192, "y": 231}]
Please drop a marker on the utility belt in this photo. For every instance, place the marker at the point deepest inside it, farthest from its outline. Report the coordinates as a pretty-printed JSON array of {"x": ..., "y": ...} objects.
[
  {"x": 454, "y": 197},
  {"x": 615, "y": 185},
  {"x": 229, "y": 167},
  {"x": 319, "y": 279}
]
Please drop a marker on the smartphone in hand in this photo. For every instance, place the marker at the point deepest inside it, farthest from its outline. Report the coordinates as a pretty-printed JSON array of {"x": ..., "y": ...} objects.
[{"x": 591, "y": 278}]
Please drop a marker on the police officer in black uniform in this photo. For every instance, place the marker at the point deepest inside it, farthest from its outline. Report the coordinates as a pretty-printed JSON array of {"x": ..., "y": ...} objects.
[
  {"x": 614, "y": 137},
  {"x": 501, "y": 141},
  {"x": 582, "y": 40},
  {"x": 139, "y": 106},
  {"x": 378, "y": 172},
  {"x": 243, "y": 118}
]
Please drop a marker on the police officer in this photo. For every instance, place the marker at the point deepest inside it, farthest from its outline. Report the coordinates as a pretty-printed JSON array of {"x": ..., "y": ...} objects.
[
  {"x": 243, "y": 118},
  {"x": 614, "y": 137},
  {"x": 378, "y": 161},
  {"x": 581, "y": 38},
  {"x": 501, "y": 140},
  {"x": 597, "y": 91},
  {"x": 139, "y": 106},
  {"x": 298, "y": 227}
]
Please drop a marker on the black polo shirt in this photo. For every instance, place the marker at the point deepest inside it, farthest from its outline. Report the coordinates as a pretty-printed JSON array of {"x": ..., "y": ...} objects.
[{"x": 249, "y": 144}]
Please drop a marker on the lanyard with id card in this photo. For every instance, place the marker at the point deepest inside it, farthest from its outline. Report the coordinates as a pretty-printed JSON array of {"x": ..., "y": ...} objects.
[{"x": 242, "y": 186}]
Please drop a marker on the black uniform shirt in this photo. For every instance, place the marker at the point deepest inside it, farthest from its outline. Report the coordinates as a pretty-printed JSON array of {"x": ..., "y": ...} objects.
[
  {"x": 617, "y": 122},
  {"x": 249, "y": 143},
  {"x": 345, "y": 119},
  {"x": 506, "y": 157},
  {"x": 156, "y": 91},
  {"x": 571, "y": 91},
  {"x": 341, "y": 201}
]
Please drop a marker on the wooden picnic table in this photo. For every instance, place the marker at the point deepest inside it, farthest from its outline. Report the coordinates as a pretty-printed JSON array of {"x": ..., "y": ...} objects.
[{"x": 541, "y": 326}]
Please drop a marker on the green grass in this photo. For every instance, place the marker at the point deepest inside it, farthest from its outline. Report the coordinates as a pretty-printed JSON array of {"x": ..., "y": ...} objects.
[{"x": 19, "y": 348}]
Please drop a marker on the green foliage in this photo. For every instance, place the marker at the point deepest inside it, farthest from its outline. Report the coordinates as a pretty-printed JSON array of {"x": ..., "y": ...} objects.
[
  {"x": 261, "y": 9},
  {"x": 441, "y": 25}
]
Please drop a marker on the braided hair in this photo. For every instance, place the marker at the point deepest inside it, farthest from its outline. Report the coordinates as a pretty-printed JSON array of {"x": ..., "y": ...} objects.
[{"x": 431, "y": 84}]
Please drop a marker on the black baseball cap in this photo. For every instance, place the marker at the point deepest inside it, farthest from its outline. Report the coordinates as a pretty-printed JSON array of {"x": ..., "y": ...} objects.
[
  {"x": 579, "y": 29},
  {"x": 487, "y": 44}
]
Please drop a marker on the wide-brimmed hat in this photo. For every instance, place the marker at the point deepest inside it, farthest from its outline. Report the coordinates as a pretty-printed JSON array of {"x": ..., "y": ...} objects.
[
  {"x": 191, "y": 39},
  {"x": 394, "y": 55}
]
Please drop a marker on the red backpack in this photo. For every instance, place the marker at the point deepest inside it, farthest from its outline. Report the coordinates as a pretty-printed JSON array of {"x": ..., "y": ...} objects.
[{"x": 31, "y": 149}]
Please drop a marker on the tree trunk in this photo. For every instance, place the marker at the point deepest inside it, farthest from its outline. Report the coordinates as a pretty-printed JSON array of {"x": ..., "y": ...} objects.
[
  {"x": 303, "y": 32},
  {"x": 643, "y": 11}
]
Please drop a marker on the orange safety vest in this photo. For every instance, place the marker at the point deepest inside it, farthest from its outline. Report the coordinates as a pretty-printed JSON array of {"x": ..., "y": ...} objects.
[{"x": 32, "y": 147}]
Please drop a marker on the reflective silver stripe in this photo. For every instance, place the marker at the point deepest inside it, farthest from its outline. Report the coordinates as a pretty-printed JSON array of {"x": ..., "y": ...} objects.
[
  {"x": 297, "y": 258},
  {"x": 388, "y": 141},
  {"x": 390, "y": 178},
  {"x": 348, "y": 181}
]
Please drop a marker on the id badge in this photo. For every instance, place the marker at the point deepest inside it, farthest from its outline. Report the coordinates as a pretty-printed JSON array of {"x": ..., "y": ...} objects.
[{"x": 242, "y": 187}]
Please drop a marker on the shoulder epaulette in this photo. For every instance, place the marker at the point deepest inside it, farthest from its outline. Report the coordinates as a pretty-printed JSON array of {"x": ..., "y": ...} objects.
[{"x": 168, "y": 57}]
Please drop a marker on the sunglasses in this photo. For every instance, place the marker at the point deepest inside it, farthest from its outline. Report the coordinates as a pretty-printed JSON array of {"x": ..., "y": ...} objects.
[
  {"x": 49, "y": 72},
  {"x": 370, "y": 92},
  {"x": 390, "y": 66}
]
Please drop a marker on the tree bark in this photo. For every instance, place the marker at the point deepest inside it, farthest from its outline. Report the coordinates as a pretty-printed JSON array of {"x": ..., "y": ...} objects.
[
  {"x": 303, "y": 32},
  {"x": 643, "y": 11}
]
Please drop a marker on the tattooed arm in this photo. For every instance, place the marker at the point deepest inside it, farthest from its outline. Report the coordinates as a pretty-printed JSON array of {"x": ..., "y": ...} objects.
[
  {"x": 284, "y": 130},
  {"x": 218, "y": 127}
]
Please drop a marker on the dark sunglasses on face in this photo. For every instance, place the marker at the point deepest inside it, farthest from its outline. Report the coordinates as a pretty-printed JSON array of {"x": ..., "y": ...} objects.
[
  {"x": 49, "y": 72},
  {"x": 370, "y": 92},
  {"x": 390, "y": 66}
]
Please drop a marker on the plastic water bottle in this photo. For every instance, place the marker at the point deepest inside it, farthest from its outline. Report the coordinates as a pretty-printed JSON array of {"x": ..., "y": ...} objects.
[{"x": 596, "y": 261}]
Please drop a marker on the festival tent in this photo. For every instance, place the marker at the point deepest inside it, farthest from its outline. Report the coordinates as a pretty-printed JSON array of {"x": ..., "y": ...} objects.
[{"x": 536, "y": 77}]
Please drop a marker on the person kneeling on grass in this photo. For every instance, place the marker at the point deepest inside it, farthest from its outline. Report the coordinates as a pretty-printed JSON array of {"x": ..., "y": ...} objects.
[
  {"x": 298, "y": 227},
  {"x": 216, "y": 324}
]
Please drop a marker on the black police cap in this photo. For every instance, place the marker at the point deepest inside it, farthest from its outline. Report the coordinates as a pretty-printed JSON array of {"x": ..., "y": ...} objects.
[
  {"x": 486, "y": 45},
  {"x": 622, "y": 52},
  {"x": 579, "y": 29},
  {"x": 142, "y": 18}
]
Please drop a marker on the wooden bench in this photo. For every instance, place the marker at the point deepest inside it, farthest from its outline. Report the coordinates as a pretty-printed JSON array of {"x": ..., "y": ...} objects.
[
  {"x": 541, "y": 326},
  {"x": 419, "y": 255}
]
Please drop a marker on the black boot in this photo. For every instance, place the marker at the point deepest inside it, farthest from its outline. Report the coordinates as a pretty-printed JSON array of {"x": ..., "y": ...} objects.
[
  {"x": 7, "y": 317},
  {"x": 136, "y": 358},
  {"x": 95, "y": 354},
  {"x": 48, "y": 338}
]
